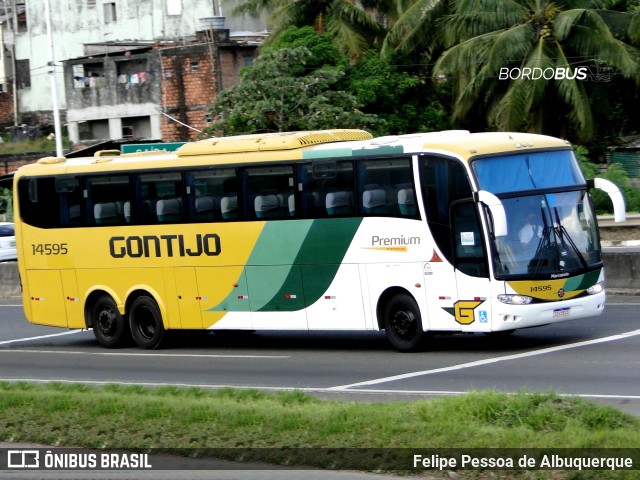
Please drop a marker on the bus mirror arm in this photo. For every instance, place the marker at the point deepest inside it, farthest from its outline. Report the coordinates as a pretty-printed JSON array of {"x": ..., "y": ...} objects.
[
  {"x": 614, "y": 193},
  {"x": 494, "y": 204}
]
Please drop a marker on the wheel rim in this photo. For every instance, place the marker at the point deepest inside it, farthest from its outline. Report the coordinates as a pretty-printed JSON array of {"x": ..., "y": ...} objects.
[
  {"x": 107, "y": 322},
  {"x": 404, "y": 325},
  {"x": 145, "y": 323}
]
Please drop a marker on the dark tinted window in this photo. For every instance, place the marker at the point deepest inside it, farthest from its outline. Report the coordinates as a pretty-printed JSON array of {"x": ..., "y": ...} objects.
[{"x": 6, "y": 230}]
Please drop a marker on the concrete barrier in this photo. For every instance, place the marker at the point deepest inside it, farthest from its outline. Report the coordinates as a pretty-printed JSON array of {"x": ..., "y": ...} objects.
[
  {"x": 9, "y": 280},
  {"x": 622, "y": 271}
]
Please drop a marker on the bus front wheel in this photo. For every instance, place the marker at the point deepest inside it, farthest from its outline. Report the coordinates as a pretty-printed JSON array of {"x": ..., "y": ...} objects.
[
  {"x": 403, "y": 324},
  {"x": 145, "y": 321},
  {"x": 109, "y": 326}
]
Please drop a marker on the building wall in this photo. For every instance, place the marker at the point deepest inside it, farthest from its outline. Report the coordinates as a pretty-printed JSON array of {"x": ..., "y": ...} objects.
[
  {"x": 191, "y": 81},
  {"x": 188, "y": 86},
  {"x": 6, "y": 105},
  {"x": 78, "y": 24}
]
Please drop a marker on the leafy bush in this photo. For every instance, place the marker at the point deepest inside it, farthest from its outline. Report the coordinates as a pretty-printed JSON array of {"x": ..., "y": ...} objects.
[{"x": 614, "y": 173}]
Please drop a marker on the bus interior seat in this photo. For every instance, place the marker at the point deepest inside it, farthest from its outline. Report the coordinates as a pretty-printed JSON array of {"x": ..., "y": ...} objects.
[
  {"x": 267, "y": 206},
  {"x": 126, "y": 211},
  {"x": 205, "y": 207},
  {"x": 291, "y": 201},
  {"x": 229, "y": 207},
  {"x": 169, "y": 210},
  {"x": 105, "y": 213},
  {"x": 374, "y": 201},
  {"x": 338, "y": 203},
  {"x": 407, "y": 202}
]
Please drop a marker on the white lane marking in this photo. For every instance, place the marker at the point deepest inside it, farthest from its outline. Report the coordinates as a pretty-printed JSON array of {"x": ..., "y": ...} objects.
[
  {"x": 141, "y": 354},
  {"x": 40, "y": 337},
  {"x": 487, "y": 361}
]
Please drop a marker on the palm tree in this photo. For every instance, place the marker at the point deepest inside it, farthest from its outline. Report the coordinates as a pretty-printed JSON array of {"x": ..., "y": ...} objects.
[
  {"x": 496, "y": 46},
  {"x": 352, "y": 25}
]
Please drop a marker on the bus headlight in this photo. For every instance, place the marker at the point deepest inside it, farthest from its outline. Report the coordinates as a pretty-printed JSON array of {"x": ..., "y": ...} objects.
[
  {"x": 514, "y": 299},
  {"x": 597, "y": 288}
]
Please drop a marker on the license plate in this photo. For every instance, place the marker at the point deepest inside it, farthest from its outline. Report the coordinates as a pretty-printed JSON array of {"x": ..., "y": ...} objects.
[{"x": 561, "y": 312}]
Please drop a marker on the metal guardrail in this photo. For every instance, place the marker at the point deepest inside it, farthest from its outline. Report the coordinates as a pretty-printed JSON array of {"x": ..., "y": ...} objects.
[{"x": 632, "y": 220}]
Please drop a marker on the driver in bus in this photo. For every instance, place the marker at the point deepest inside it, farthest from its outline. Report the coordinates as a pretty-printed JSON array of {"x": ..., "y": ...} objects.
[{"x": 531, "y": 231}]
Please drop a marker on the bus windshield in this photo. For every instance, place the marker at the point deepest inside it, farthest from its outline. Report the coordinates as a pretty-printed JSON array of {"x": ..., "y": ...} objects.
[{"x": 550, "y": 233}]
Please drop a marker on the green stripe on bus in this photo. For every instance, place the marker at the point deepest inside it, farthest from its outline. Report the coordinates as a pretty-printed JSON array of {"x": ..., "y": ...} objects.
[
  {"x": 316, "y": 264},
  {"x": 582, "y": 282},
  {"x": 294, "y": 262}
]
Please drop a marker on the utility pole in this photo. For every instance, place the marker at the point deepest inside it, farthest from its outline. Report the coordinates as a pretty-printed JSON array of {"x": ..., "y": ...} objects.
[{"x": 54, "y": 84}]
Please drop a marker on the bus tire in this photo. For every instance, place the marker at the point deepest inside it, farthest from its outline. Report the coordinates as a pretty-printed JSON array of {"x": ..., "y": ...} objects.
[
  {"x": 403, "y": 324},
  {"x": 109, "y": 326},
  {"x": 145, "y": 321}
]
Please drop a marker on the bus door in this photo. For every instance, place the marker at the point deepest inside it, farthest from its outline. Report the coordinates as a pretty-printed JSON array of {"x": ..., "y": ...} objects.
[
  {"x": 53, "y": 298},
  {"x": 46, "y": 297},
  {"x": 189, "y": 299},
  {"x": 471, "y": 309}
]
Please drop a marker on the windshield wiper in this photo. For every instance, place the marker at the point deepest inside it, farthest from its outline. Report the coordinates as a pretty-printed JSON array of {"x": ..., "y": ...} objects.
[
  {"x": 544, "y": 251},
  {"x": 562, "y": 234}
]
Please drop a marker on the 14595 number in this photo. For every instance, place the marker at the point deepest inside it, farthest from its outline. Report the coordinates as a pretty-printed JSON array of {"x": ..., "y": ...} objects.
[{"x": 49, "y": 248}]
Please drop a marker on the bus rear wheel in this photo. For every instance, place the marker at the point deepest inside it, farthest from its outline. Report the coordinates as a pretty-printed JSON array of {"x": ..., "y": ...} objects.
[
  {"x": 145, "y": 321},
  {"x": 109, "y": 326},
  {"x": 403, "y": 324}
]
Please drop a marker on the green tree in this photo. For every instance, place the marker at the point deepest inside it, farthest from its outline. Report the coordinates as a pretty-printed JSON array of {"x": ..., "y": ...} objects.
[
  {"x": 351, "y": 26},
  {"x": 278, "y": 93},
  {"x": 6, "y": 203},
  {"x": 487, "y": 36},
  {"x": 614, "y": 173},
  {"x": 406, "y": 102}
]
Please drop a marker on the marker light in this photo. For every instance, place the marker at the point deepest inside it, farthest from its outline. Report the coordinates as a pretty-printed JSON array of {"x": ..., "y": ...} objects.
[
  {"x": 515, "y": 299},
  {"x": 597, "y": 288}
]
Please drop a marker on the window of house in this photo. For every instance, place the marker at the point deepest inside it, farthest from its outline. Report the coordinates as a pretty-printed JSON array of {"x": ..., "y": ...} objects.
[
  {"x": 132, "y": 72},
  {"x": 127, "y": 131},
  {"x": 21, "y": 10},
  {"x": 23, "y": 74},
  {"x": 109, "y": 9},
  {"x": 195, "y": 67},
  {"x": 89, "y": 75}
]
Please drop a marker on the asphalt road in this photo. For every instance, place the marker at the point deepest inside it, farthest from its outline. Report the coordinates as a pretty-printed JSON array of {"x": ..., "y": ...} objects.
[{"x": 597, "y": 358}]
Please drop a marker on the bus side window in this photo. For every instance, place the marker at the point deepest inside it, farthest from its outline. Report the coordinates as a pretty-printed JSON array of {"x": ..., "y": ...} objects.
[
  {"x": 268, "y": 191},
  {"x": 469, "y": 250},
  {"x": 107, "y": 196},
  {"x": 39, "y": 202},
  {"x": 210, "y": 194},
  {"x": 160, "y": 198},
  {"x": 380, "y": 180},
  {"x": 69, "y": 193},
  {"x": 328, "y": 189},
  {"x": 444, "y": 180}
]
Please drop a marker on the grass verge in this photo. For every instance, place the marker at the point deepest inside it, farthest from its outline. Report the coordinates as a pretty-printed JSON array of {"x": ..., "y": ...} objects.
[{"x": 171, "y": 418}]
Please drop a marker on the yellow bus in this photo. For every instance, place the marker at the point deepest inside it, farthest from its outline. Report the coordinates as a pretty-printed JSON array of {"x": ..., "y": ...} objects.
[{"x": 319, "y": 230}]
